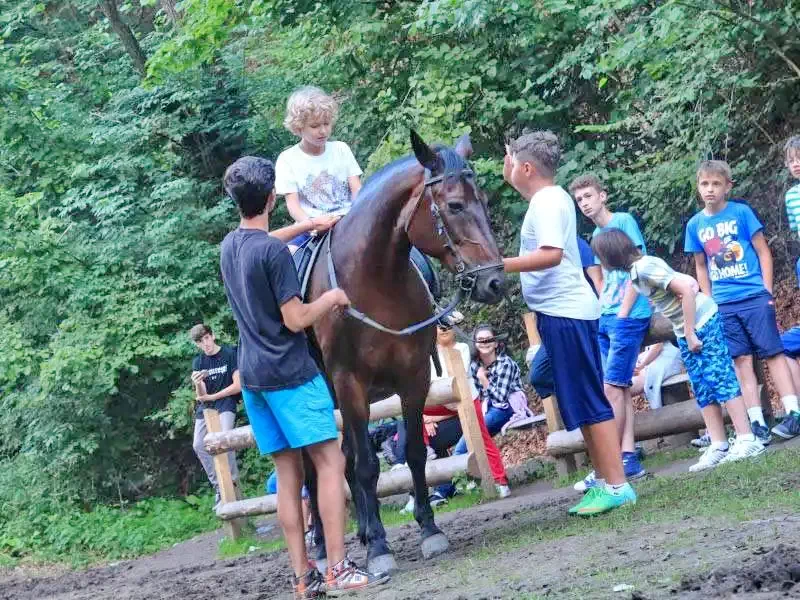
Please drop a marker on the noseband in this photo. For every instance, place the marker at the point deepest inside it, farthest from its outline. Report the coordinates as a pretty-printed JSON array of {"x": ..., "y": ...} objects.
[{"x": 465, "y": 278}]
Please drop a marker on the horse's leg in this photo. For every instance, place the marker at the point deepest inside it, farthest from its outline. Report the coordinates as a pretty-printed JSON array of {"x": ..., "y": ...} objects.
[
  {"x": 321, "y": 556},
  {"x": 366, "y": 471},
  {"x": 433, "y": 540},
  {"x": 352, "y": 481}
]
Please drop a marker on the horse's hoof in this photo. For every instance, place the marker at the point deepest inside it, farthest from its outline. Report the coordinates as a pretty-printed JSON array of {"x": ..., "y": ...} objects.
[
  {"x": 382, "y": 564},
  {"x": 322, "y": 565},
  {"x": 434, "y": 545}
]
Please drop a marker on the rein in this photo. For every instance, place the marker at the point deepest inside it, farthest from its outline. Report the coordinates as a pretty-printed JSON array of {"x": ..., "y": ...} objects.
[{"x": 465, "y": 278}]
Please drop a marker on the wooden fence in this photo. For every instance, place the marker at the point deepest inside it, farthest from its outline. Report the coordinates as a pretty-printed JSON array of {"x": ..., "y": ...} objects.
[{"x": 446, "y": 390}]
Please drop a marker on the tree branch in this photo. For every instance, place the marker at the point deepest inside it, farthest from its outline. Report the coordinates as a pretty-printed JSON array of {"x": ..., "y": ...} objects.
[{"x": 125, "y": 34}]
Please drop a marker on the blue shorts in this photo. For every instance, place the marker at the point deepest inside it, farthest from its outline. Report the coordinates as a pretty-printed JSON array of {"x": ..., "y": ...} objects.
[
  {"x": 300, "y": 239},
  {"x": 711, "y": 371},
  {"x": 791, "y": 342},
  {"x": 620, "y": 343},
  {"x": 751, "y": 327},
  {"x": 291, "y": 418},
  {"x": 541, "y": 376},
  {"x": 577, "y": 370}
]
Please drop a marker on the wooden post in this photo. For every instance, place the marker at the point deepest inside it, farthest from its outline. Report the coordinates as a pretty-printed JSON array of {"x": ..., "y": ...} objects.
[
  {"x": 469, "y": 419},
  {"x": 564, "y": 464},
  {"x": 227, "y": 491}
]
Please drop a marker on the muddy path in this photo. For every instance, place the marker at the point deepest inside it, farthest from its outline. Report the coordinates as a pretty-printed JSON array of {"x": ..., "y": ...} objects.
[{"x": 521, "y": 547}]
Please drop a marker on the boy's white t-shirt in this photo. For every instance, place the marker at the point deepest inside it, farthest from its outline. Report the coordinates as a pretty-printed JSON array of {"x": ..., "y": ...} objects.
[
  {"x": 560, "y": 291},
  {"x": 320, "y": 181}
]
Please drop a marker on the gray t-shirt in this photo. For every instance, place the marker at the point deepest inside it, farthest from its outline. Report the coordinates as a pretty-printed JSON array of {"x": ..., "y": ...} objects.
[
  {"x": 651, "y": 277},
  {"x": 259, "y": 278},
  {"x": 560, "y": 291}
]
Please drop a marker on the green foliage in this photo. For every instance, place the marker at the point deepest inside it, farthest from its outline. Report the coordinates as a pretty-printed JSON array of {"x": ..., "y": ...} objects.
[
  {"x": 105, "y": 533},
  {"x": 111, "y": 209}
]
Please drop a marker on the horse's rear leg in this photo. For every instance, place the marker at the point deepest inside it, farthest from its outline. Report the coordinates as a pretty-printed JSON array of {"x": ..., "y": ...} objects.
[
  {"x": 367, "y": 468},
  {"x": 433, "y": 540}
]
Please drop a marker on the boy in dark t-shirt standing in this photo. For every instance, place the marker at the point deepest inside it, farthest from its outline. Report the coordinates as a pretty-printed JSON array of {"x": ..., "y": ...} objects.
[
  {"x": 215, "y": 377},
  {"x": 287, "y": 400}
]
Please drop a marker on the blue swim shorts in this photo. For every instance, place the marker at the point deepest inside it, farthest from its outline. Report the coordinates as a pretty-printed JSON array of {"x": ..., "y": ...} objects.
[
  {"x": 620, "y": 343},
  {"x": 711, "y": 371},
  {"x": 291, "y": 418}
]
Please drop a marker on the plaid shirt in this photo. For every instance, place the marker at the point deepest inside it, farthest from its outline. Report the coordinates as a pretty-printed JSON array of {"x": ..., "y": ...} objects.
[{"x": 504, "y": 380}]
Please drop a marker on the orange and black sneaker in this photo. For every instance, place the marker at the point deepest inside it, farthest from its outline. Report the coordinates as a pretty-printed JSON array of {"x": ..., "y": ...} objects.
[
  {"x": 309, "y": 586},
  {"x": 345, "y": 577}
]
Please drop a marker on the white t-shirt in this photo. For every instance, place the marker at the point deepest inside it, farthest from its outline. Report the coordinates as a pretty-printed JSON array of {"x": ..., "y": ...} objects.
[
  {"x": 320, "y": 181},
  {"x": 463, "y": 349},
  {"x": 560, "y": 291}
]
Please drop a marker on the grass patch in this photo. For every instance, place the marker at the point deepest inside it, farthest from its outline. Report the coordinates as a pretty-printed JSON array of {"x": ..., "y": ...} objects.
[
  {"x": 735, "y": 492},
  {"x": 248, "y": 544}
]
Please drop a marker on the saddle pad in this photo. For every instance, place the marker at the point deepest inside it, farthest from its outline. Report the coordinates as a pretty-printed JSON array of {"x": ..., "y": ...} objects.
[{"x": 305, "y": 257}]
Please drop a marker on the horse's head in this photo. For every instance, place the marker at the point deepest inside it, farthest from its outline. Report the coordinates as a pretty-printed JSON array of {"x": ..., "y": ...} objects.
[{"x": 448, "y": 219}]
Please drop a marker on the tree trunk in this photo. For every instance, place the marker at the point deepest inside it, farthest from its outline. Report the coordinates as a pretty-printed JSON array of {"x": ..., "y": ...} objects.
[
  {"x": 129, "y": 41},
  {"x": 170, "y": 10}
]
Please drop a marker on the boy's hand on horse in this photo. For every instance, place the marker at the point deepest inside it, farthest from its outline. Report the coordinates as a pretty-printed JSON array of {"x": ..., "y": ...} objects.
[{"x": 323, "y": 223}]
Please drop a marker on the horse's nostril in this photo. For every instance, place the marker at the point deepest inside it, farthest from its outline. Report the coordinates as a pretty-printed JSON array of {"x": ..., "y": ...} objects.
[{"x": 496, "y": 285}]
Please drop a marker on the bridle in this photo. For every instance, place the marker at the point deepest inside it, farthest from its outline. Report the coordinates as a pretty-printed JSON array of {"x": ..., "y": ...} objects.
[{"x": 465, "y": 278}]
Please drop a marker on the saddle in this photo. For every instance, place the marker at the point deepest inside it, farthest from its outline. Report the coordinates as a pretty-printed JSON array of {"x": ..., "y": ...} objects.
[{"x": 307, "y": 253}]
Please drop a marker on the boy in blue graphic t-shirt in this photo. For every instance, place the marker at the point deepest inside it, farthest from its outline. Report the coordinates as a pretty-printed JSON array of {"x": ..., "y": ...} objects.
[
  {"x": 624, "y": 320},
  {"x": 734, "y": 266}
]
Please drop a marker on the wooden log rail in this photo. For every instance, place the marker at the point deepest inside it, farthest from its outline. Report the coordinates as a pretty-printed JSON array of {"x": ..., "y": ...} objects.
[
  {"x": 443, "y": 391},
  {"x": 446, "y": 390}
]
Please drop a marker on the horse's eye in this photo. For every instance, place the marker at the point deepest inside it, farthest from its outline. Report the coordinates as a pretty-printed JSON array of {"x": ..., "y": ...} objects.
[{"x": 455, "y": 206}]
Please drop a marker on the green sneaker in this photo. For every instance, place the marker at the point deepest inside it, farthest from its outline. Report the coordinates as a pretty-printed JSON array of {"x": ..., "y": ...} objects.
[
  {"x": 604, "y": 501},
  {"x": 587, "y": 498}
]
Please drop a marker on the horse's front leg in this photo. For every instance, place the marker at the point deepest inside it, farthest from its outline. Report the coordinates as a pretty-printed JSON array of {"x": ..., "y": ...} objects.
[
  {"x": 433, "y": 540},
  {"x": 355, "y": 411}
]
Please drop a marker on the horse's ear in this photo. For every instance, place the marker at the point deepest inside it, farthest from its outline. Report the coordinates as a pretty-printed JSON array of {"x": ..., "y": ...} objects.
[
  {"x": 464, "y": 146},
  {"x": 425, "y": 155}
]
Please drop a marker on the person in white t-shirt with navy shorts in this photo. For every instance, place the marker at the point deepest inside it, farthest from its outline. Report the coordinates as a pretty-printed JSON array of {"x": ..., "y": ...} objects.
[
  {"x": 317, "y": 176},
  {"x": 567, "y": 311}
]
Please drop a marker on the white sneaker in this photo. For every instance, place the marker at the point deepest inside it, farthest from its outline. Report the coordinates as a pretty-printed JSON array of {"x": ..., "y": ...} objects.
[
  {"x": 409, "y": 507},
  {"x": 585, "y": 483},
  {"x": 710, "y": 458},
  {"x": 743, "y": 449},
  {"x": 399, "y": 466},
  {"x": 503, "y": 491},
  {"x": 431, "y": 453}
]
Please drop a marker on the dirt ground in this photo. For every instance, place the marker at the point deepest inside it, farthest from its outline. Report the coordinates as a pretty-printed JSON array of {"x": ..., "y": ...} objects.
[{"x": 500, "y": 549}]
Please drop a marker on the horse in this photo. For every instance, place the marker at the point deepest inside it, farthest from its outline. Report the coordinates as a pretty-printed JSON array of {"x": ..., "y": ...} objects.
[{"x": 429, "y": 200}]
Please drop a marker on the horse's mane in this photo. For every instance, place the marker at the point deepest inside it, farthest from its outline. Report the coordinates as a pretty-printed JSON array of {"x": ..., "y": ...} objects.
[{"x": 452, "y": 161}]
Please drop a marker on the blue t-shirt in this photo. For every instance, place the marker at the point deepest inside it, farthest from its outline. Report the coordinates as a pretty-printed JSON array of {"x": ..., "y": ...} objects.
[
  {"x": 726, "y": 240},
  {"x": 616, "y": 282},
  {"x": 587, "y": 260}
]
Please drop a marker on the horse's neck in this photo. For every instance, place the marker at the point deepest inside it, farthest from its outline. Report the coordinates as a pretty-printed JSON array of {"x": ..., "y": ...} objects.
[{"x": 378, "y": 223}]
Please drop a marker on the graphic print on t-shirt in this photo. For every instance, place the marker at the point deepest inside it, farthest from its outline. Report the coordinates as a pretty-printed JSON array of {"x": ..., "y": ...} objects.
[
  {"x": 325, "y": 192},
  {"x": 725, "y": 253}
]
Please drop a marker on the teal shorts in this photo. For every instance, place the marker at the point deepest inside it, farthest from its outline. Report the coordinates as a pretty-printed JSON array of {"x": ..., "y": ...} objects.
[{"x": 291, "y": 418}]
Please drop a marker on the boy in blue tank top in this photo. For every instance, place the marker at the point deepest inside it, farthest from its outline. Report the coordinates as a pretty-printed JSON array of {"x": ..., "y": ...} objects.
[
  {"x": 624, "y": 320},
  {"x": 734, "y": 266}
]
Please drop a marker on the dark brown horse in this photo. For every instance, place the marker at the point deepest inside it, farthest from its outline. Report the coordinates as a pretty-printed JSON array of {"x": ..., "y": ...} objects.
[{"x": 429, "y": 200}]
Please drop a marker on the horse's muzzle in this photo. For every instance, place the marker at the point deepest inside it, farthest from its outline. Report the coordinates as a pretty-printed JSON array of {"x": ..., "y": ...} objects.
[{"x": 490, "y": 286}]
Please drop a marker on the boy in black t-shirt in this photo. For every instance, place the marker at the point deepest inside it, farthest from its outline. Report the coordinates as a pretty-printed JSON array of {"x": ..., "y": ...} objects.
[
  {"x": 287, "y": 400},
  {"x": 215, "y": 377}
]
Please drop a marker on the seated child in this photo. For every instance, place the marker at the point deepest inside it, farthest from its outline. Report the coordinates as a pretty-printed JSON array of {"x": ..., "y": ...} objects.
[
  {"x": 698, "y": 327},
  {"x": 657, "y": 363},
  {"x": 496, "y": 376},
  {"x": 317, "y": 176}
]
